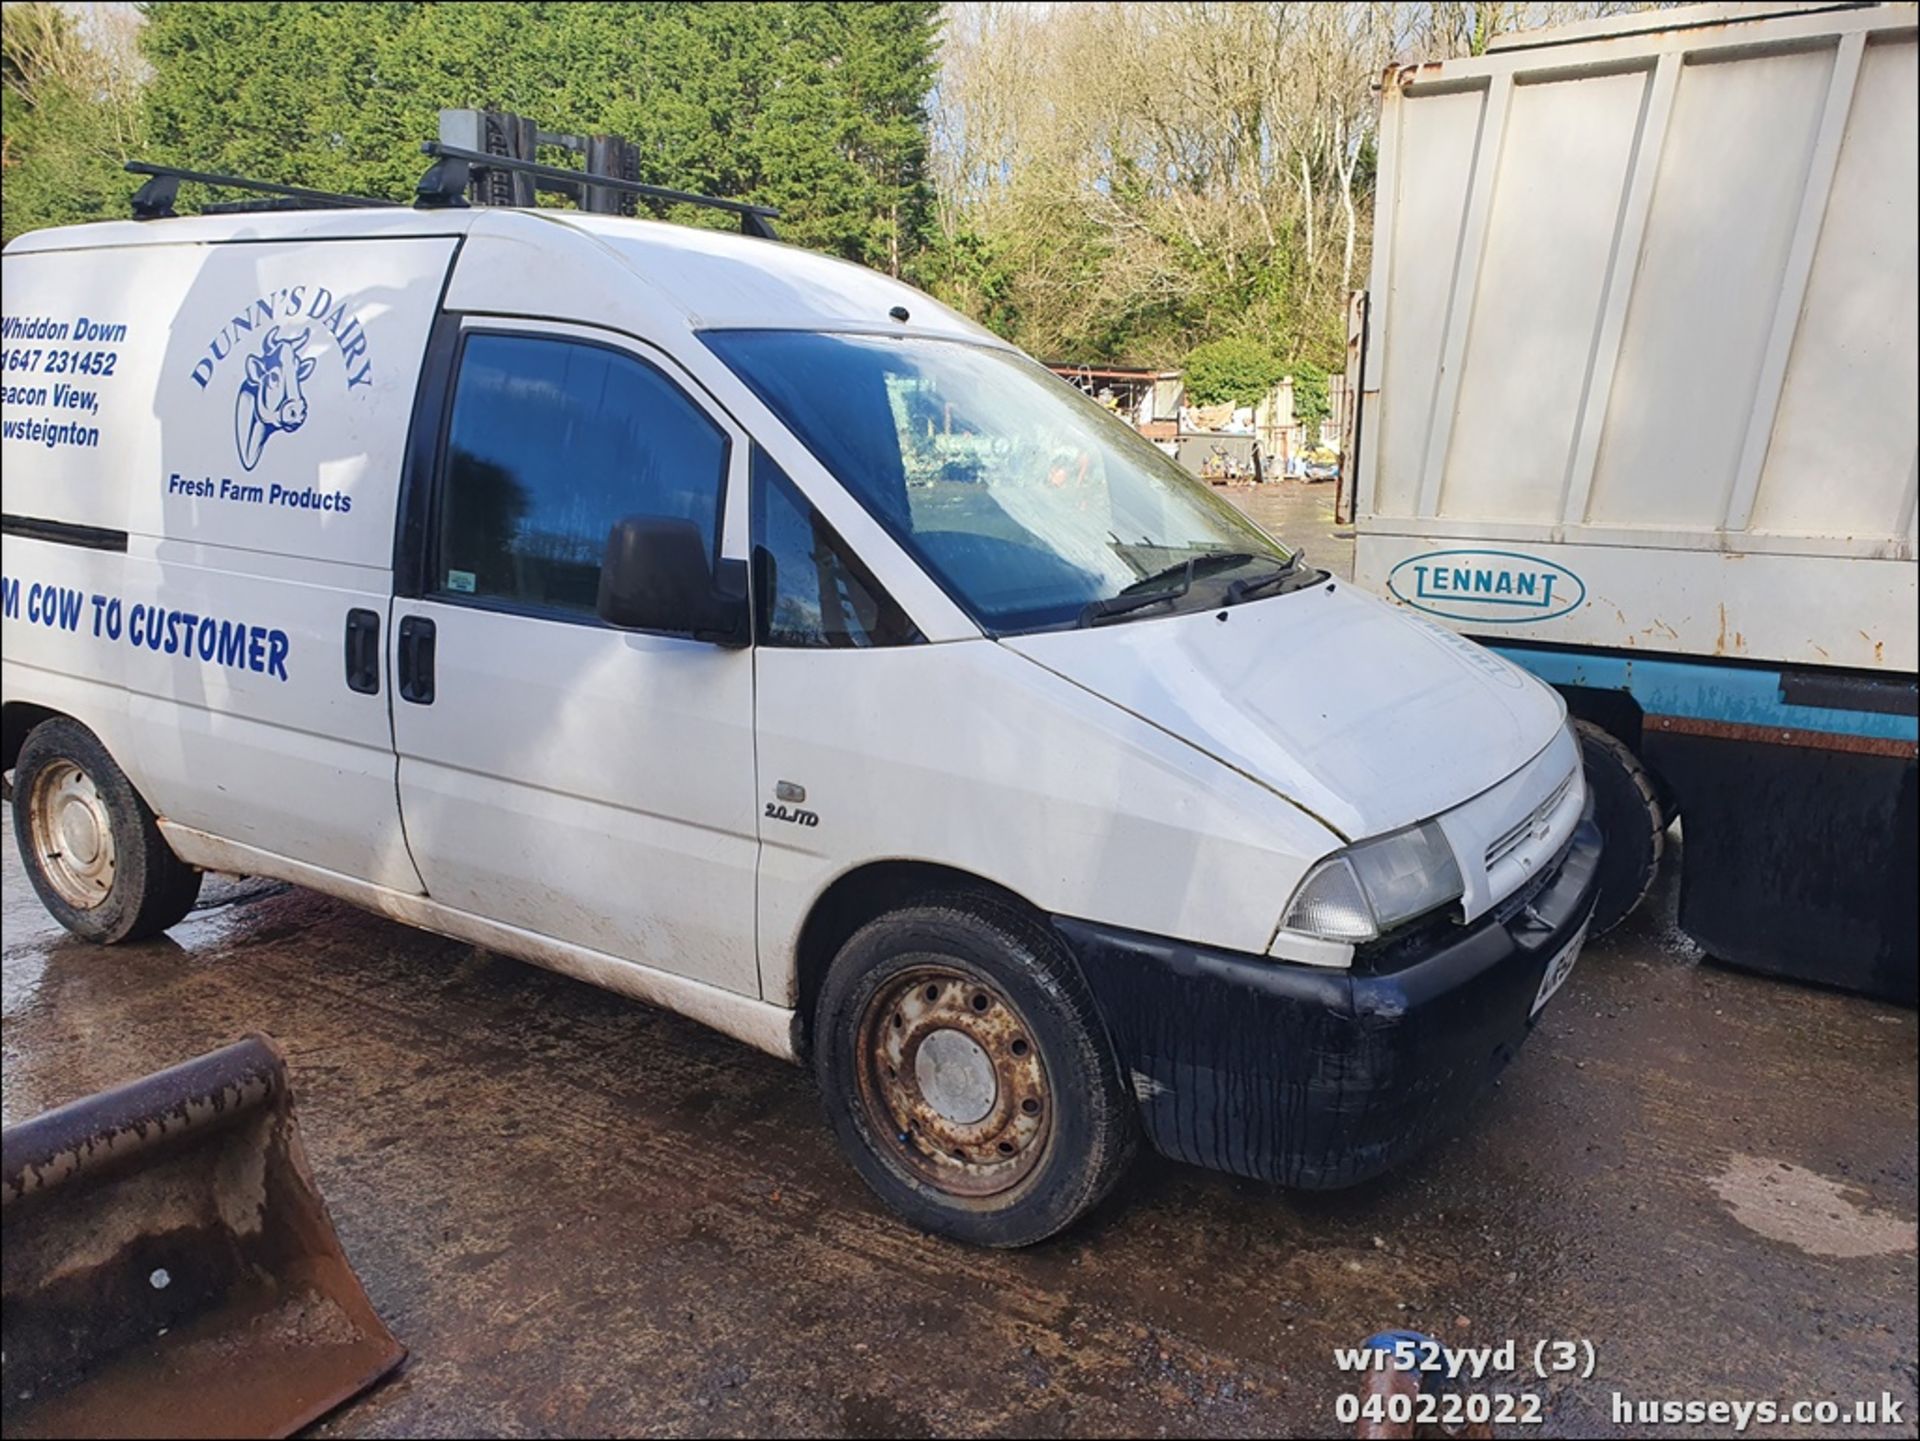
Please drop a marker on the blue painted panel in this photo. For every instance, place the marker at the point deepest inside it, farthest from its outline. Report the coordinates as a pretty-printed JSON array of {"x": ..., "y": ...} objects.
[{"x": 1702, "y": 690}]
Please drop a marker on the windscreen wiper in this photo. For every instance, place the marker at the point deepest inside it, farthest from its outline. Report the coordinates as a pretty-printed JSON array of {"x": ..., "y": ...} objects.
[
  {"x": 1140, "y": 593},
  {"x": 1095, "y": 611},
  {"x": 1241, "y": 590}
]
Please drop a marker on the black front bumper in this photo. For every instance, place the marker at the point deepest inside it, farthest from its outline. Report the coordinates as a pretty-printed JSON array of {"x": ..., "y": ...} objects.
[{"x": 1321, "y": 1078}]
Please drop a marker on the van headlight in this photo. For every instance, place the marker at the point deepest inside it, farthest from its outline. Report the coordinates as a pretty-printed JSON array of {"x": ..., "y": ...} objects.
[{"x": 1365, "y": 890}]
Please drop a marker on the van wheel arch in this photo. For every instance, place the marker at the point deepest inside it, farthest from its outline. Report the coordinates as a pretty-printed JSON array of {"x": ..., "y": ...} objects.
[
  {"x": 17, "y": 720},
  {"x": 864, "y": 894}
]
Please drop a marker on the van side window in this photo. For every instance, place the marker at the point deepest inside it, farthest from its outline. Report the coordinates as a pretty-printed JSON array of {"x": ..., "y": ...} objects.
[
  {"x": 809, "y": 589},
  {"x": 551, "y": 442}
]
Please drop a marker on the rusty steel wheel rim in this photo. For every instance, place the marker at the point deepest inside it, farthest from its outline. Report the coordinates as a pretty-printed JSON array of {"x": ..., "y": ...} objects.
[
  {"x": 952, "y": 1082},
  {"x": 72, "y": 834}
]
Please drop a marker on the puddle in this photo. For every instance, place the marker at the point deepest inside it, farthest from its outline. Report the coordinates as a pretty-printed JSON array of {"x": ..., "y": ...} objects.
[{"x": 1784, "y": 1202}]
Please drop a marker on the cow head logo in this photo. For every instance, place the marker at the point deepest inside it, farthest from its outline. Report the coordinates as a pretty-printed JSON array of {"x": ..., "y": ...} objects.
[{"x": 270, "y": 398}]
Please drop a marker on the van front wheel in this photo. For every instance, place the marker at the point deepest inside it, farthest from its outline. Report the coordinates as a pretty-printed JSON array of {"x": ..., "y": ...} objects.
[
  {"x": 90, "y": 845},
  {"x": 966, "y": 1074}
]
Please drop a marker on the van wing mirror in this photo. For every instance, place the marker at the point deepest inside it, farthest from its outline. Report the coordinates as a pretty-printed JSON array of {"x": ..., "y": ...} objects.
[{"x": 656, "y": 575}]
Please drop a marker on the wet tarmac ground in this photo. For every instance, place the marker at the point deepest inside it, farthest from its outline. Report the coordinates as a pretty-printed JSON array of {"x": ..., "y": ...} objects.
[
  {"x": 583, "y": 1216},
  {"x": 1300, "y": 514}
]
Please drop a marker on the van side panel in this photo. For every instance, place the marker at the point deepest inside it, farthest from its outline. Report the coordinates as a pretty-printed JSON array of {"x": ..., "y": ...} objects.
[
  {"x": 243, "y": 422},
  {"x": 971, "y": 756},
  {"x": 45, "y": 596}
]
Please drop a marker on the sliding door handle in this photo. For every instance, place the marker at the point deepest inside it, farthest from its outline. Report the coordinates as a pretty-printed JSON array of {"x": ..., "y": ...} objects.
[{"x": 363, "y": 651}]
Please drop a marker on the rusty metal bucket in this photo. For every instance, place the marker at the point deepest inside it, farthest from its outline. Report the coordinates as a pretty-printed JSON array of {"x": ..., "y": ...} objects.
[{"x": 169, "y": 1267}]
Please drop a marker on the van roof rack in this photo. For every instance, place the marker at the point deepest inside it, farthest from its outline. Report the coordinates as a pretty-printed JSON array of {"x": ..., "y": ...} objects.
[
  {"x": 154, "y": 200},
  {"x": 445, "y": 185},
  {"x": 446, "y": 181}
]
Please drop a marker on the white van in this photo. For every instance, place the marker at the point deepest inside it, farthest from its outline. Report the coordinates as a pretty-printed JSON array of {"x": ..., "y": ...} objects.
[{"x": 744, "y": 632}]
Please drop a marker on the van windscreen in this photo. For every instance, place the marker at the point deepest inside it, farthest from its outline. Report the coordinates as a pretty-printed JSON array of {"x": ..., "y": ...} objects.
[{"x": 1030, "y": 504}]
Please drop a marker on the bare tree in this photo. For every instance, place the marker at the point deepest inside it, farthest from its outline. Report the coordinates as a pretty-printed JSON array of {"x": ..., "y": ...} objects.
[{"x": 1146, "y": 176}]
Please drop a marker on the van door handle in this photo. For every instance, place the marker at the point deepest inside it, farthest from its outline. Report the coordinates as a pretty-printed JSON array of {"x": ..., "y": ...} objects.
[
  {"x": 363, "y": 651},
  {"x": 416, "y": 659}
]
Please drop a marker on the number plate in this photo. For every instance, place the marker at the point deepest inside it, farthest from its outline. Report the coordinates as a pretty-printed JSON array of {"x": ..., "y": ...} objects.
[{"x": 1558, "y": 969}]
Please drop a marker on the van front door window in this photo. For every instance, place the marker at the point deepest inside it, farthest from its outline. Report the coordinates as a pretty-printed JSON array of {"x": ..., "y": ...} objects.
[{"x": 552, "y": 441}]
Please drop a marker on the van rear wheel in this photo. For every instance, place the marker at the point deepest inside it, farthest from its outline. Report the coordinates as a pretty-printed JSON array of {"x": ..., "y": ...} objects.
[
  {"x": 966, "y": 1074},
  {"x": 91, "y": 847}
]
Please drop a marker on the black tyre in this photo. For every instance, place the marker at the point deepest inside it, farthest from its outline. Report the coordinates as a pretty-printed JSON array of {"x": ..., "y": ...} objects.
[
  {"x": 966, "y": 1073},
  {"x": 1627, "y": 808},
  {"x": 90, "y": 846}
]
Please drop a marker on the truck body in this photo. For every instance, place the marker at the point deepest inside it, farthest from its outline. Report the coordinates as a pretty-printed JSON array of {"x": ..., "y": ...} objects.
[{"x": 1639, "y": 379}]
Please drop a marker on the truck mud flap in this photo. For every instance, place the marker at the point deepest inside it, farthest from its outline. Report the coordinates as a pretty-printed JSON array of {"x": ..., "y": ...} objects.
[
  {"x": 170, "y": 1268},
  {"x": 1799, "y": 858}
]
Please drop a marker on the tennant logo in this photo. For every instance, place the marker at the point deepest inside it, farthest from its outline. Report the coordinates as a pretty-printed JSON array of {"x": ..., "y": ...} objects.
[
  {"x": 273, "y": 334},
  {"x": 1500, "y": 587}
]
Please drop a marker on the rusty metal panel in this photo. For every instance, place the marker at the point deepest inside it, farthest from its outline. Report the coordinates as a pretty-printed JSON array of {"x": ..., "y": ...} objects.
[{"x": 169, "y": 1267}]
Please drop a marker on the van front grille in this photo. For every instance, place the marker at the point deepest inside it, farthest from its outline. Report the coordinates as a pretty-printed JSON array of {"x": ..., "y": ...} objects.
[{"x": 1511, "y": 840}]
